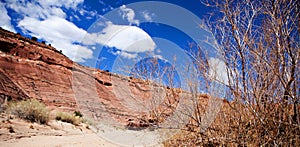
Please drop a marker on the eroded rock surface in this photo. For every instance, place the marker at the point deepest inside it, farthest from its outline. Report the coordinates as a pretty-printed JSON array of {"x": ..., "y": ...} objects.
[{"x": 29, "y": 69}]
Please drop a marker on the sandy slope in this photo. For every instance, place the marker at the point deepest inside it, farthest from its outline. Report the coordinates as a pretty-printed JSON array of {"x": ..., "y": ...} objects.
[
  {"x": 79, "y": 140},
  {"x": 55, "y": 134}
]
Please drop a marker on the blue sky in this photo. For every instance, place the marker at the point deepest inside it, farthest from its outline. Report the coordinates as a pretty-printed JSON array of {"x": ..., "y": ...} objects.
[{"x": 115, "y": 35}]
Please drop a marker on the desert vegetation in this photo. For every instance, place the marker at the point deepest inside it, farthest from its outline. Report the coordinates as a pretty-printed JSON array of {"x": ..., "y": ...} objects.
[
  {"x": 31, "y": 110},
  {"x": 74, "y": 119},
  {"x": 258, "y": 50},
  {"x": 258, "y": 42}
]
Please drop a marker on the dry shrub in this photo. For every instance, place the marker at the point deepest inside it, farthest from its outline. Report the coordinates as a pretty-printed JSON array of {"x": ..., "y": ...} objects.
[
  {"x": 258, "y": 42},
  {"x": 31, "y": 110},
  {"x": 236, "y": 125},
  {"x": 69, "y": 118}
]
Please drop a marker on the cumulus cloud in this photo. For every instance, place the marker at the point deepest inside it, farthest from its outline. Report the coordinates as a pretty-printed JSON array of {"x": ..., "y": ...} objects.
[
  {"x": 218, "y": 70},
  {"x": 128, "y": 39},
  {"x": 47, "y": 20},
  {"x": 53, "y": 29},
  {"x": 128, "y": 14},
  {"x": 5, "y": 22}
]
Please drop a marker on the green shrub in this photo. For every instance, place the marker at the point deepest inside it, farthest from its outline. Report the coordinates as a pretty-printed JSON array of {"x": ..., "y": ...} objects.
[
  {"x": 31, "y": 110},
  {"x": 69, "y": 118}
]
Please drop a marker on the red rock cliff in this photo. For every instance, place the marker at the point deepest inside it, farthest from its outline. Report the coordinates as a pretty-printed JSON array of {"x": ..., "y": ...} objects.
[{"x": 29, "y": 69}]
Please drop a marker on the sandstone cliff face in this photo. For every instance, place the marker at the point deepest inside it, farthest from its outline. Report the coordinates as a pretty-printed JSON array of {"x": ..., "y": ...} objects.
[
  {"x": 34, "y": 70},
  {"x": 29, "y": 69}
]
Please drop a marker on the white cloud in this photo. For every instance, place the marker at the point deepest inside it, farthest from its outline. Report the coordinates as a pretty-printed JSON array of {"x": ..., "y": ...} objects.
[
  {"x": 129, "y": 39},
  {"x": 46, "y": 20},
  {"x": 77, "y": 53},
  {"x": 161, "y": 58},
  {"x": 128, "y": 14},
  {"x": 105, "y": 7},
  {"x": 89, "y": 14},
  {"x": 59, "y": 32},
  {"x": 147, "y": 16},
  {"x": 53, "y": 28},
  {"x": 42, "y": 9},
  {"x": 126, "y": 54},
  {"x": 5, "y": 22},
  {"x": 60, "y": 3},
  {"x": 217, "y": 70},
  {"x": 36, "y": 10}
]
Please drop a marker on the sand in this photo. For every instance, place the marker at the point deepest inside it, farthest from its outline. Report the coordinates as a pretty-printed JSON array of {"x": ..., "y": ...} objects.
[{"x": 15, "y": 132}]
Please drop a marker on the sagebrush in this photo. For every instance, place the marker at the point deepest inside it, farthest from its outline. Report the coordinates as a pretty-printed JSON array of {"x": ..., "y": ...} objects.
[
  {"x": 69, "y": 118},
  {"x": 31, "y": 110}
]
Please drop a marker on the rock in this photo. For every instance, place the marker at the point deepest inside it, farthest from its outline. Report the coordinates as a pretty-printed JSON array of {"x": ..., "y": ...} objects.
[{"x": 29, "y": 69}]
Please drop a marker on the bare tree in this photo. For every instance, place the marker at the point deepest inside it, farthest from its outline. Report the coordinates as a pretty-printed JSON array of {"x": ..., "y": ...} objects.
[{"x": 259, "y": 44}]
